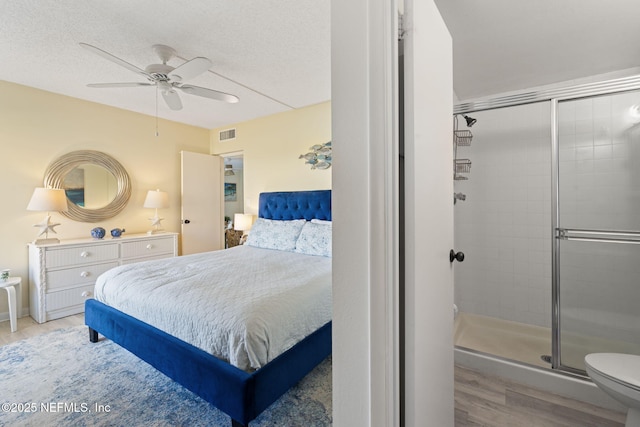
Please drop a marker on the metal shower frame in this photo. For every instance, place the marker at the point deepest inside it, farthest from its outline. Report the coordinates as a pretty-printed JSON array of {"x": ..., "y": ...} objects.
[{"x": 553, "y": 96}]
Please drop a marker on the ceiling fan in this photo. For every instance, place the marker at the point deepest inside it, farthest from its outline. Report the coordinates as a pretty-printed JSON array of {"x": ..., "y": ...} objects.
[{"x": 165, "y": 77}]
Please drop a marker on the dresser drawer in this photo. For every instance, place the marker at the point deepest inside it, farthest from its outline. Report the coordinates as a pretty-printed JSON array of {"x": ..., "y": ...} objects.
[
  {"x": 66, "y": 299},
  {"x": 60, "y": 279},
  {"x": 78, "y": 255},
  {"x": 150, "y": 258},
  {"x": 147, "y": 248}
]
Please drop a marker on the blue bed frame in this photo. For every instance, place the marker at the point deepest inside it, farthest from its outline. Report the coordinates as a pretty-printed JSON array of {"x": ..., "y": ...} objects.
[{"x": 241, "y": 395}]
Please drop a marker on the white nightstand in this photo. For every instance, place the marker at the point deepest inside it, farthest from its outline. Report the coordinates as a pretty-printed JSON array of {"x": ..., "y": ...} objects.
[{"x": 10, "y": 286}]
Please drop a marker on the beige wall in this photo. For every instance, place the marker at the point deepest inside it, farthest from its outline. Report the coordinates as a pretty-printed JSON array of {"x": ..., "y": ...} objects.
[
  {"x": 271, "y": 146},
  {"x": 36, "y": 127}
]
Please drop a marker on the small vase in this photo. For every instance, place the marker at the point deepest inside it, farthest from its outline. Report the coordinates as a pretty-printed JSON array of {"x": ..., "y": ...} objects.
[
  {"x": 98, "y": 233},
  {"x": 117, "y": 232}
]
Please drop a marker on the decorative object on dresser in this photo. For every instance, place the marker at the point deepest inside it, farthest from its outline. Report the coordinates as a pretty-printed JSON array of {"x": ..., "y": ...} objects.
[
  {"x": 117, "y": 232},
  {"x": 156, "y": 200},
  {"x": 98, "y": 232},
  {"x": 47, "y": 200},
  {"x": 62, "y": 276}
]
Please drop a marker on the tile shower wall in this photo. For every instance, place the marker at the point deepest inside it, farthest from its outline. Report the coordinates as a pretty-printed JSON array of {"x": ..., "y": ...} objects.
[
  {"x": 599, "y": 154},
  {"x": 504, "y": 225}
]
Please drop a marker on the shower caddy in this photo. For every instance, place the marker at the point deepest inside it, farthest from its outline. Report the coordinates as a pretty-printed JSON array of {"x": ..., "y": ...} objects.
[{"x": 461, "y": 138}]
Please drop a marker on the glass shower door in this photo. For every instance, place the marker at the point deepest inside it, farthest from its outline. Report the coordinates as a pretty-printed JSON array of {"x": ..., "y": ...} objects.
[{"x": 598, "y": 228}]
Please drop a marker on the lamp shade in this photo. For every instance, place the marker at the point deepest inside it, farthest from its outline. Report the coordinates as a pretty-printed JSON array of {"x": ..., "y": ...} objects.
[
  {"x": 156, "y": 199},
  {"x": 242, "y": 222},
  {"x": 48, "y": 200}
]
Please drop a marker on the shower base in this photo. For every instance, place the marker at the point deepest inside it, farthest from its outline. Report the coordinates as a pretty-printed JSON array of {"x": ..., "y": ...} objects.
[
  {"x": 503, "y": 338},
  {"x": 513, "y": 350}
]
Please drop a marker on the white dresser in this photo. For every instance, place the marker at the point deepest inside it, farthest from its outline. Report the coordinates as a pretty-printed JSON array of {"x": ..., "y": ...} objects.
[{"x": 63, "y": 275}]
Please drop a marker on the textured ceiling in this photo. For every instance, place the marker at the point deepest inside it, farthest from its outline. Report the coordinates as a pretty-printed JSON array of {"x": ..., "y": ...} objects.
[
  {"x": 506, "y": 45},
  {"x": 273, "y": 54}
]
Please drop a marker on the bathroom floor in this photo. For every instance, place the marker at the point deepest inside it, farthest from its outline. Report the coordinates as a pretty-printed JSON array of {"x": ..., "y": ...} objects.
[{"x": 490, "y": 401}]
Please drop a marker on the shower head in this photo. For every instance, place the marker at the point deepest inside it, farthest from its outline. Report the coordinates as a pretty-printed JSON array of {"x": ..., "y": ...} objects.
[{"x": 470, "y": 121}]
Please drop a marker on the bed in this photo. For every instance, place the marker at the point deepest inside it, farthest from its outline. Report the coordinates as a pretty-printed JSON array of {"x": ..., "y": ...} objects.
[{"x": 240, "y": 385}]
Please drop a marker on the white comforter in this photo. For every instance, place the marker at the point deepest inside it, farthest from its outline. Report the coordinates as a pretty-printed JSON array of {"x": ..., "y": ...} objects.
[{"x": 245, "y": 305}]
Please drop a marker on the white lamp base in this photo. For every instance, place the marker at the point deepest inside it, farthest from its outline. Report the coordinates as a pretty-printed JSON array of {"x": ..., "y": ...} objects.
[
  {"x": 150, "y": 232},
  {"x": 49, "y": 241}
]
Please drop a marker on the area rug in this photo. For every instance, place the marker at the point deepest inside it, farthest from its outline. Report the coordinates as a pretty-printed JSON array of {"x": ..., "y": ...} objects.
[{"x": 61, "y": 379}]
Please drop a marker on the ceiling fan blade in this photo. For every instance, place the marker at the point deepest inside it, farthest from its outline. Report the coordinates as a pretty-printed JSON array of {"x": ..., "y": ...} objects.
[
  {"x": 172, "y": 99},
  {"x": 119, "y": 84},
  {"x": 190, "y": 69},
  {"x": 114, "y": 59},
  {"x": 208, "y": 93}
]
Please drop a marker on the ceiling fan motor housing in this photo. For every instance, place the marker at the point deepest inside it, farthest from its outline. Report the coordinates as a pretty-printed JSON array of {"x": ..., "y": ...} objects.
[{"x": 160, "y": 72}]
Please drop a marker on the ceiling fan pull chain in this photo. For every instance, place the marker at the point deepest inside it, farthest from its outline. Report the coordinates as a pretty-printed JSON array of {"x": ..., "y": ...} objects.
[{"x": 157, "y": 111}]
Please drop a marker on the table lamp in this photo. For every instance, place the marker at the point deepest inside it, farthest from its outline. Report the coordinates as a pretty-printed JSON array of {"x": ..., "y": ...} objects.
[
  {"x": 243, "y": 222},
  {"x": 47, "y": 200},
  {"x": 156, "y": 200}
]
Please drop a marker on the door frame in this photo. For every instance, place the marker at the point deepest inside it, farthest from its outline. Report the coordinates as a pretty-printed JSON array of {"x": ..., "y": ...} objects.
[{"x": 365, "y": 135}]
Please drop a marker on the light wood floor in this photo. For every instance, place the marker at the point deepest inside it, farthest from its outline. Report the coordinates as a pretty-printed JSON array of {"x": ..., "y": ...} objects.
[{"x": 480, "y": 400}]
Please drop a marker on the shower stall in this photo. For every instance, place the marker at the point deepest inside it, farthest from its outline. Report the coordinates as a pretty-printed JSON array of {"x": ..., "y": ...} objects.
[{"x": 549, "y": 221}]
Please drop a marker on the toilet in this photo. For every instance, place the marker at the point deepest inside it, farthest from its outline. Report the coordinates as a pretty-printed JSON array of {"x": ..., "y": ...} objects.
[{"x": 618, "y": 375}]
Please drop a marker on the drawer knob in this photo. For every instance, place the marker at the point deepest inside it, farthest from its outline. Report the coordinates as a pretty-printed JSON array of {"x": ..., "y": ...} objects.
[
  {"x": 84, "y": 254},
  {"x": 85, "y": 274},
  {"x": 87, "y": 294},
  {"x": 149, "y": 246}
]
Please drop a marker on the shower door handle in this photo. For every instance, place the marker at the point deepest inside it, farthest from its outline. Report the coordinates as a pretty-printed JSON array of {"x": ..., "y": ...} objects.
[{"x": 457, "y": 256}]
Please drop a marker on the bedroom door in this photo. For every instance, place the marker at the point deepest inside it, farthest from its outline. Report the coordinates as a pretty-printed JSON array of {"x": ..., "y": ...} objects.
[{"x": 202, "y": 203}]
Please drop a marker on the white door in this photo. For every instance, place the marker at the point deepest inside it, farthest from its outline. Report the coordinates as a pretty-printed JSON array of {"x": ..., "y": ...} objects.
[
  {"x": 202, "y": 203},
  {"x": 365, "y": 207},
  {"x": 429, "y": 217}
]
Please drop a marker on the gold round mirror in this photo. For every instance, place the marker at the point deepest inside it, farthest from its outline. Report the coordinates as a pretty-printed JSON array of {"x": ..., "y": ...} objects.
[{"x": 96, "y": 184}]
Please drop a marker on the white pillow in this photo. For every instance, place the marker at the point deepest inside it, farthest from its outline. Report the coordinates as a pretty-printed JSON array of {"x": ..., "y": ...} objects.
[
  {"x": 274, "y": 234},
  {"x": 315, "y": 239}
]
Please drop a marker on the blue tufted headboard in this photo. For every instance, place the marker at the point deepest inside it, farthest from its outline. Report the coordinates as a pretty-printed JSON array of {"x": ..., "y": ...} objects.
[{"x": 287, "y": 205}]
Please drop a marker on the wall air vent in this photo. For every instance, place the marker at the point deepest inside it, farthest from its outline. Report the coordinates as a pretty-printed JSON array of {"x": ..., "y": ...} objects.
[{"x": 227, "y": 135}]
